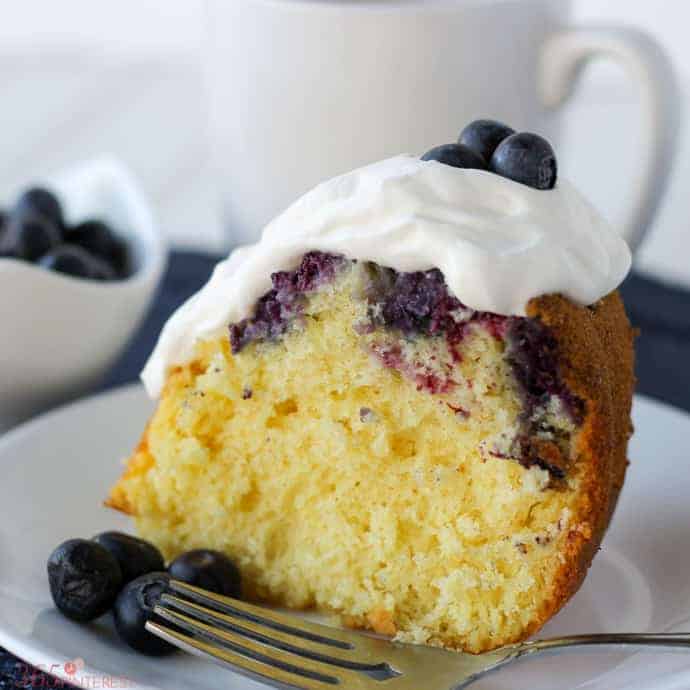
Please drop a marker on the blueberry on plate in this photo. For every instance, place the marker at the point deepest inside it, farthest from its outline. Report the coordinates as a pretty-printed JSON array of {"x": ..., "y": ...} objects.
[
  {"x": 135, "y": 556},
  {"x": 134, "y": 606},
  {"x": 526, "y": 158},
  {"x": 40, "y": 201},
  {"x": 483, "y": 136},
  {"x": 76, "y": 262},
  {"x": 455, "y": 155},
  {"x": 84, "y": 579},
  {"x": 210, "y": 570},
  {"x": 98, "y": 239},
  {"x": 29, "y": 235}
]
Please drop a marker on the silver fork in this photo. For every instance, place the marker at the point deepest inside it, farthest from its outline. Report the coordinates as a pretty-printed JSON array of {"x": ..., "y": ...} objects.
[{"x": 289, "y": 652}]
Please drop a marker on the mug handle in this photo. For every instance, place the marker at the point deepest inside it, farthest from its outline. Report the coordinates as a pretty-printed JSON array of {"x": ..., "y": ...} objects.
[{"x": 564, "y": 55}]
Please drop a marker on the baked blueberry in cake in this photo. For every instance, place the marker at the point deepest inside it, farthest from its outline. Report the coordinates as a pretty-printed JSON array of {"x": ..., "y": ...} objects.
[{"x": 408, "y": 403}]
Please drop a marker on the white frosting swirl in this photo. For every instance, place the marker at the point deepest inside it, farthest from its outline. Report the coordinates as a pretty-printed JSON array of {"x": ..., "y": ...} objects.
[{"x": 498, "y": 243}]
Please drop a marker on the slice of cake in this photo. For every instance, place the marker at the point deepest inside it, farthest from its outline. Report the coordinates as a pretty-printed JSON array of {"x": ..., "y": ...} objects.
[{"x": 408, "y": 404}]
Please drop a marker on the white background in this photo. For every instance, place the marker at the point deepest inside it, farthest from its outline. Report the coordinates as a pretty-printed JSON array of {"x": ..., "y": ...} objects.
[{"x": 80, "y": 77}]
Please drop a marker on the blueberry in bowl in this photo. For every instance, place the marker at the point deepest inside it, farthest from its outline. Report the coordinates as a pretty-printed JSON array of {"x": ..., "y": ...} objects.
[
  {"x": 101, "y": 242},
  {"x": 40, "y": 201},
  {"x": 73, "y": 260},
  {"x": 35, "y": 231},
  {"x": 29, "y": 236}
]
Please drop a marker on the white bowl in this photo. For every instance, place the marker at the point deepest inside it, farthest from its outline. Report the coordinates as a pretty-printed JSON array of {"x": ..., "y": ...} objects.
[{"x": 61, "y": 334}]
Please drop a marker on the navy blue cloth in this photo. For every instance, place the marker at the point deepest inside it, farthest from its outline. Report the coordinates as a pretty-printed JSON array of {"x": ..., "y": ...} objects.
[{"x": 661, "y": 312}]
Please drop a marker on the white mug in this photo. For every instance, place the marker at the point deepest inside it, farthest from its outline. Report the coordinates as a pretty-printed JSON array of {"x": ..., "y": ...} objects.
[{"x": 301, "y": 90}]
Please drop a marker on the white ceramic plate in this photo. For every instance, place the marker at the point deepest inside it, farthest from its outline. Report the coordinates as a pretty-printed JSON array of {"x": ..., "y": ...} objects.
[{"x": 55, "y": 471}]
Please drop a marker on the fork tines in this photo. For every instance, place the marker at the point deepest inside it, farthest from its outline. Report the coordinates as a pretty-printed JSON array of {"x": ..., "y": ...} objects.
[{"x": 277, "y": 648}]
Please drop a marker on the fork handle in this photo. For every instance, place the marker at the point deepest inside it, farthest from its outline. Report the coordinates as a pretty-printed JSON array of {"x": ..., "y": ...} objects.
[{"x": 642, "y": 639}]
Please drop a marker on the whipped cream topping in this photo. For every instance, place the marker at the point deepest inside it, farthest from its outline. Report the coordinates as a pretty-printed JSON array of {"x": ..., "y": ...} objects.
[{"x": 498, "y": 243}]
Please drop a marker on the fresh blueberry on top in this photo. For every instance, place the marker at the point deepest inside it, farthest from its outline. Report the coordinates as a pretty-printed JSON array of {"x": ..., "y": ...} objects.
[
  {"x": 455, "y": 155},
  {"x": 73, "y": 261},
  {"x": 210, "y": 570},
  {"x": 84, "y": 579},
  {"x": 43, "y": 202},
  {"x": 97, "y": 238},
  {"x": 135, "y": 556},
  {"x": 526, "y": 158},
  {"x": 134, "y": 606},
  {"x": 483, "y": 136},
  {"x": 29, "y": 235}
]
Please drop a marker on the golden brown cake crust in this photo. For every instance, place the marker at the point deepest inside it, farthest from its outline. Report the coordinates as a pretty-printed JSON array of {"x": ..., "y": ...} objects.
[
  {"x": 595, "y": 346},
  {"x": 597, "y": 362}
]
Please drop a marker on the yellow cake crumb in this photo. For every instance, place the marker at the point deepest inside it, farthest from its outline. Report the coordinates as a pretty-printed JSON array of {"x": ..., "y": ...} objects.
[{"x": 337, "y": 484}]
